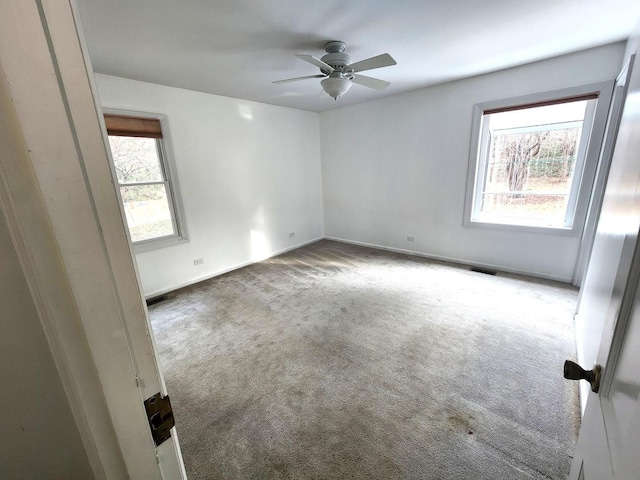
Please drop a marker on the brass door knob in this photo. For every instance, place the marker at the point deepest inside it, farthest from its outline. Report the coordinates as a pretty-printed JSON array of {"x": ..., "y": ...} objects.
[{"x": 573, "y": 371}]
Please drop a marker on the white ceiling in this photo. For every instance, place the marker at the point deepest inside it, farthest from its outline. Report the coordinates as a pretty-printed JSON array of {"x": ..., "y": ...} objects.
[{"x": 237, "y": 48}]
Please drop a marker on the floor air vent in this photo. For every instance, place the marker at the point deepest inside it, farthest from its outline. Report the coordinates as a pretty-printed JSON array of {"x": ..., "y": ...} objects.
[
  {"x": 158, "y": 299},
  {"x": 483, "y": 270}
]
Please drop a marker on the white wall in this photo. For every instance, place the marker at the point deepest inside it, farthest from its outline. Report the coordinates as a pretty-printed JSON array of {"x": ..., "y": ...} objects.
[
  {"x": 398, "y": 166},
  {"x": 249, "y": 175},
  {"x": 39, "y": 435}
]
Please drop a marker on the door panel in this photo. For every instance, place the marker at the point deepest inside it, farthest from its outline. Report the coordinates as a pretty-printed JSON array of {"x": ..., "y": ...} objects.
[
  {"x": 609, "y": 311},
  {"x": 601, "y": 291},
  {"x": 622, "y": 404}
]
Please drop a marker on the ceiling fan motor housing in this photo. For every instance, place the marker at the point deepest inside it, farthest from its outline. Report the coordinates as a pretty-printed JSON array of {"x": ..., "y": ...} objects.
[{"x": 336, "y": 57}]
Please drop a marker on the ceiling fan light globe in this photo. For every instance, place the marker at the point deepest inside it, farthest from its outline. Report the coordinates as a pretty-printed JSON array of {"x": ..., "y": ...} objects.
[{"x": 336, "y": 86}]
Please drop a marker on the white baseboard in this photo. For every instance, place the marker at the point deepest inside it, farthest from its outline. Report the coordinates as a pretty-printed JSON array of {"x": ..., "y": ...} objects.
[
  {"x": 441, "y": 258},
  {"x": 458, "y": 261},
  {"x": 217, "y": 273}
]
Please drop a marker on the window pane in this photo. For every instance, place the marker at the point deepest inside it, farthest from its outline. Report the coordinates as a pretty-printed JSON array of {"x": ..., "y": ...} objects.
[
  {"x": 147, "y": 210},
  {"x": 136, "y": 159},
  {"x": 529, "y": 170},
  {"x": 547, "y": 210}
]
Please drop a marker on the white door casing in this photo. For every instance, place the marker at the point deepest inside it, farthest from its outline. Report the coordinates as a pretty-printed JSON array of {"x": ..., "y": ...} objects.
[
  {"x": 609, "y": 310},
  {"x": 67, "y": 225},
  {"x": 604, "y": 162}
]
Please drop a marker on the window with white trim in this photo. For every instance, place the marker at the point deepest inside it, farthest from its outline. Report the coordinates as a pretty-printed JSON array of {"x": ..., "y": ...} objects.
[
  {"x": 143, "y": 176},
  {"x": 531, "y": 165}
]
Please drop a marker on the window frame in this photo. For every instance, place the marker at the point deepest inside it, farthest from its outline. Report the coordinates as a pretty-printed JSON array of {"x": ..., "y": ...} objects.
[
  {"x": 167, "y": 164},
  {"x": 583, "y": 180}
]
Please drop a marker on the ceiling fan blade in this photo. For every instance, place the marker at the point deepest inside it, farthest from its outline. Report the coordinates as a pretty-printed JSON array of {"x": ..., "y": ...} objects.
[
  {"x": 383, "y": 60},
  {"x": 299, "y": 78},
  {"x": 315, "y": 61},
  {"x": 370, "y": 82}
]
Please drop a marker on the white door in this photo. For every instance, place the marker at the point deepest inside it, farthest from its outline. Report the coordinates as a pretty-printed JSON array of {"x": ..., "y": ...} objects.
[
  {"x": 57, "y": 193},
  {"x": 610, "y": 312}
]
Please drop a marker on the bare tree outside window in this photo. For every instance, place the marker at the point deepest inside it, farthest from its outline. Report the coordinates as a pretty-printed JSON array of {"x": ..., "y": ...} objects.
[{"x": 519, "y": 151}]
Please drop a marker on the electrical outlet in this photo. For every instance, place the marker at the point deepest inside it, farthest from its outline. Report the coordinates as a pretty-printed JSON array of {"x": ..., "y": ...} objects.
[
  {"x": 292, "y": 234},
  {"x": 411, "y": 238},
  {"x": 198, "y": 261}
]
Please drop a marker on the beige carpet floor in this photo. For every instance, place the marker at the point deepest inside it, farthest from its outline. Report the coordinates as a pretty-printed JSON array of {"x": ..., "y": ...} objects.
[{"x": 335, "y": 361}]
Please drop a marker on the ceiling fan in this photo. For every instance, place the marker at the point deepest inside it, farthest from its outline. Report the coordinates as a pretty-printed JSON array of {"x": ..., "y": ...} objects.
[{"x": 339, "y": 74}]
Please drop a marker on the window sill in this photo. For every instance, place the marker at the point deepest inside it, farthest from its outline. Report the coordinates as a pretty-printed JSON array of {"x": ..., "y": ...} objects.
[
  {"x": 511, "y": 227},
  {"x": 158, "y": 243}
]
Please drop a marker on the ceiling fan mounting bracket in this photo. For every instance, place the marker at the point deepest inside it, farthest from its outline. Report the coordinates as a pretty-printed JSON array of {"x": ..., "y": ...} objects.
[{"x": 335, "y": 46}]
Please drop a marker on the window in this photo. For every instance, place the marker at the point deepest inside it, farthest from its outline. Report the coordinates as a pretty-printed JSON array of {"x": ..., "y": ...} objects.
[
  {"x": 142, "y": 172},
  {"x": 532, "y": 164}
]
